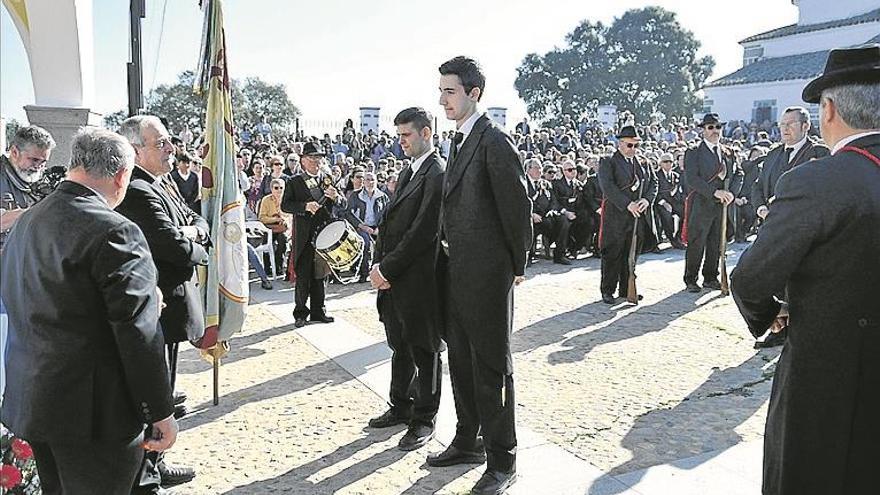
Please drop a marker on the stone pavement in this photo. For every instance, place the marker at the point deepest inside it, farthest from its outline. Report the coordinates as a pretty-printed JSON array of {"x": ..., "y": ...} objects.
[{"x": 664, "y": 397}]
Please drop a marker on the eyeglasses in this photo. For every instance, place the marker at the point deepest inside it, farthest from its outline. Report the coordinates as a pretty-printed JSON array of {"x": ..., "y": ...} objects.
[
  {"x": 665, "y": 161},
  {"x": 633, "y": 145},
  {"x": 713, "y": 127},
  {"x": 790, "y": 124},
  {"x": 569, "y": 169},
  {"x": 358, "y": 176},
  {"x": 277, "y": 188}
]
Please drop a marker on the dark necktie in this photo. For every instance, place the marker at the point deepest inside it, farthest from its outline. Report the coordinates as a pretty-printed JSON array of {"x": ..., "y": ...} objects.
[
  {"x": 788, "y": 155},
  {"x": 453, "y": 150},
  {"x": 405, "y": 176}
]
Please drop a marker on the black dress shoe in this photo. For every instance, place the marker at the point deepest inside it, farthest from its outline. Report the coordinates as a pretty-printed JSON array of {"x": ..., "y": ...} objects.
[
  {"x": 453, "y": 456},
  {"x": 417, "y": 436},
  {"x": 180, "y": 411},
  {"x": 300, "y": 322},
  {"x": 772, "y": 340},
  {"x": 265, "y": 284},
  {"x": 175, "y": 475},
  {"x": 692, "y": 287},
  {"x": 179, "y": 397},
  {"x": 607, "y": 299},
  {"x": 494, "y": 483},
  {"x": 388, "y": 419},
  {"x": 321, "y": 319},
  {"x": 676, "y": 244},
  {"x": 562, "y": 261},
  {"x": 712, "y": 284}
]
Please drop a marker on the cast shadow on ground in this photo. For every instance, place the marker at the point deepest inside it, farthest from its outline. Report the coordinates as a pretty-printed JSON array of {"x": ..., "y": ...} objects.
[
  {"x": 191, "y": 362},
  {"x": 734, "y": 394}
]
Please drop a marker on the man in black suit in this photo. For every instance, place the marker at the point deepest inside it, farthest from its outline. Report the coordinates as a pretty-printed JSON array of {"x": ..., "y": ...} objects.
[
  {"x": 574, "y": 216},
  {"x": 669, "y": 199},
  {"x": 820, "y": 242},
  {"x": 545, "y": 220},
  {"x": 711, "y": 174},
  {"x": 86, "y": 365},
  {"x": 310, "y": 197},
  {"x": 797, "y": 148},
  {"x": 629, "y": 187},
  {"x": 745, "y": 217},
  {"x": 176, "y": 235},
  {"x": 408, "y": 297},
  {"x": 485, "y": 234}
]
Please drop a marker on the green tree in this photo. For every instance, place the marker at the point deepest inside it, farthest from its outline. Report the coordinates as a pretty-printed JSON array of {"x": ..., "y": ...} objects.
[
  {"x": 644, "y": 61},
  {"x": 181, "y": 106}
]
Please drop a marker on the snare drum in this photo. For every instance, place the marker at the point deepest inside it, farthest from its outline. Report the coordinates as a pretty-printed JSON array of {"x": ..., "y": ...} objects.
[{"x": 339, "y": 245}]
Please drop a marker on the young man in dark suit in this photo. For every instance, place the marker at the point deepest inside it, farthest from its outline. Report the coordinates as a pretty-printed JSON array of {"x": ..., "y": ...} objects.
[
  {"x": 86, "y": 364},
  {"x": 629, "y": 187},
  {"x": 821, "y": 242},
  {"x": 574, "y": 218},
  {"x": 404, "y": 273},
  {"x": 485, "y": 234},
  {"x": 711, "y": 173},
  {"x": 176, "y": 236},
  {"x": 310, "y": 197}
]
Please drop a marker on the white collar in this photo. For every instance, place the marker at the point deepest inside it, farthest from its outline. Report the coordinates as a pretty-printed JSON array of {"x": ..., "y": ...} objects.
[
  {"x": 417, "y": 163},
  {"x": 468, "y": 125},
  {"x": 845, "y": 141},
  {"x": 796, "y": 147}
]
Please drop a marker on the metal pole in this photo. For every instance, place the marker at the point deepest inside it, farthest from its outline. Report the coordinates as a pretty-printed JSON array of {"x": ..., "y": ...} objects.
[{"x": 135, "y": 67}]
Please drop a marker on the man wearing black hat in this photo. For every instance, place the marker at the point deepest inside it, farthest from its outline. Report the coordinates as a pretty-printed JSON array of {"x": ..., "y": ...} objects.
[
  {"x": 629, "y": 187},
  {"x": 310, "y": 197},
  {"x": 710, "y": 173},
  {"x": 821, "y": 243}
]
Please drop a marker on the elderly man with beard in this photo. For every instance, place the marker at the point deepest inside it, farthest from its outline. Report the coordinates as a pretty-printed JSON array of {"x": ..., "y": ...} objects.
[{"x": 28, "y": 153}]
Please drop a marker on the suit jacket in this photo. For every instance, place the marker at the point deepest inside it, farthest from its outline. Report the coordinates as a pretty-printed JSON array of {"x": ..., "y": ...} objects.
[
  {"x": 702, "y": 169},
  {"x": 775, "y": 165},
  {"x": 669, "y": 188},
  {"x": 356, "y": 208},
  {"x": 570, "y": 198},
  {"x": 405, "y": 250},
  {"x": 541, "y": 195},
  {"x": 305, "y": 225},
  {"x": 620, "y": 184},
  {"x": 486, "y": 219},
  {"x": 148, "y": 204},
  {"x": 820, "y": 241},
  {"x": 86, "y": 359}
]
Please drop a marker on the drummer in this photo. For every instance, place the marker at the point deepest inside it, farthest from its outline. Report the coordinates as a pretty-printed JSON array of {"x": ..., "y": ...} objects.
[{"x": 310, "y": 197}]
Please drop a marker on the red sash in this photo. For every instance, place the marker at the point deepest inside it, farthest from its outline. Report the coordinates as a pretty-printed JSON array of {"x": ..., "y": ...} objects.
[
  {"x": 862, "y": 152},
  {"x": 687, "y": 213}
]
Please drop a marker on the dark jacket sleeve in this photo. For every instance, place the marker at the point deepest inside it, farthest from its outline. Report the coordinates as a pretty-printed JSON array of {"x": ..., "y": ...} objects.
[
  {"x": 167, "y": 242},
  {"x": 127, "y": 277},
  {"x": 293, "y": 201},
  {"x": 508, "y": 183},
  {"x": 759, "y": 197},
  {"x": 692, "y": 172},
  {"x": 422, "y": 233},
  {"x": 787, "y": 235},
  {"x": 650, "y": 192},
  {"x": 609, "y": 186}
]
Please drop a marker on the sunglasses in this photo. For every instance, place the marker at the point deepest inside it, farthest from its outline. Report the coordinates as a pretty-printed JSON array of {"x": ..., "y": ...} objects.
[
  {"x": 713, "y": 127},
  {"x": 358, "y": 176},
  {"x": 569, "y": 169},
  {"x": 633, "y": 145},
  {"x": 277, "y": 188}
]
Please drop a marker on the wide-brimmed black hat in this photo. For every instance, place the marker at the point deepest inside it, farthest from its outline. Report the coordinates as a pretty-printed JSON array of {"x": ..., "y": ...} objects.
[
  {"x": 859, "y": 65},
  {"x": 711, "y": 118},
  {"x": 628, "y": 131},
  {"x": 313, "y": 149}
]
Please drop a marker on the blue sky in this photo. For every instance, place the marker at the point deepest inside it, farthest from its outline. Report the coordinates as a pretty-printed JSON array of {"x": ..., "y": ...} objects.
[{"x": 335, "y": 56}]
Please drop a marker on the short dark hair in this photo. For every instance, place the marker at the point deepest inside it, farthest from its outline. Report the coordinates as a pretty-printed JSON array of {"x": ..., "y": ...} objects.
[
  {"x": 468, "y": 70},
  {"x": 417, "y": 116},
  {"x": 183, "y": 156}
]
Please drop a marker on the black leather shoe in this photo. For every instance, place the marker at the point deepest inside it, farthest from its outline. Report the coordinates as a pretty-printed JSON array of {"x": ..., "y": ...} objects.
[
  {"x": 179, "y": 397},
  {"x": 453, "y": 456},
  {"x": 321, "y": 319},
  {"x": 692, "y": 287},
  {"x": 388, "y": 419},
  {"x": 494, "y": 483},
  {"x": 175, "y": 475},
  {"x": 772, "y": 340},
  {"x": 562, "y": 261},
  {"x": 607, "y": 299},
  {"x": 676, "y": 244},
  {"x": 180, "y": 411},
  {"x": 417, "y": 436},
  {"x": 300, "y": 322},
  {"x": 265, "y": 284},
  {"x": 711, "y": 284}
]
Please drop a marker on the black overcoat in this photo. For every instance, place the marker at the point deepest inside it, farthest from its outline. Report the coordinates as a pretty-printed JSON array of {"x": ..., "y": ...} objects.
[
  {"x": 620, "y": 185},
  {"x": 821, "y": 240},
  {"x": 775, "y": 165},
  {"x": 702, "y": 170},
  {"x": 405, "y": 251},
  {"x": 305, "y": 225},
  {"x": 486, "y": 215}
]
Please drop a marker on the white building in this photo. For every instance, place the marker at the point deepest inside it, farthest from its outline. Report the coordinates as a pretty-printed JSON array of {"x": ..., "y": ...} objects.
[{"x": 779, "y": 63}]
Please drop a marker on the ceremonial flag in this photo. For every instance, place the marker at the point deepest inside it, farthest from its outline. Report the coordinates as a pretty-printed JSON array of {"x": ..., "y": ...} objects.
[{"x": 225, "y": 282}]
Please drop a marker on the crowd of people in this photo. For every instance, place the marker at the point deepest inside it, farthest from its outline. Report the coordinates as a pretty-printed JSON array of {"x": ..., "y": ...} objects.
[{"x": 449, "y": 224}]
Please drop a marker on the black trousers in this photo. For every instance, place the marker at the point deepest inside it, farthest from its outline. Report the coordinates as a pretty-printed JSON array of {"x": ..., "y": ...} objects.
[
  {"x": 704, "y": 241},
  {"x": 744, "y": 220},
  {"x": 545, "y": 228},
  {"x": 88, "y": 468},
  {"x": 309, "y": 292},
  {"x": 415, "y": 371},
  {"x": 615, "y": 258},
  {"x": 484, "y": 399},
  {"x": 667, "y": 222}
]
